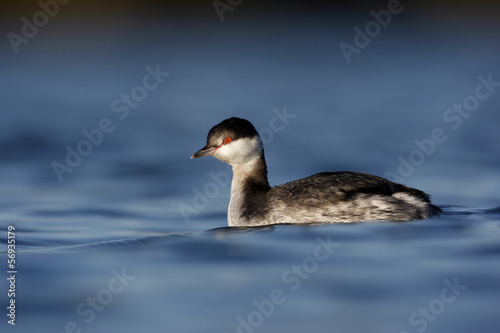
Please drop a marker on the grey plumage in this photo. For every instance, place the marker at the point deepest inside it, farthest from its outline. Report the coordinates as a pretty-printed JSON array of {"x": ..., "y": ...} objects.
[{"x": 335, "y": 197}]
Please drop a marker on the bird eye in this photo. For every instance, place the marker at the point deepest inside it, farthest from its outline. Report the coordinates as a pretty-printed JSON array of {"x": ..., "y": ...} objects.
[{"x": 227, "y": 140}]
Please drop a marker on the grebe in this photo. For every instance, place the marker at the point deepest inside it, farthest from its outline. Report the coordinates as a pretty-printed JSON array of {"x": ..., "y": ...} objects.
[{"x": 327, "y": 197}]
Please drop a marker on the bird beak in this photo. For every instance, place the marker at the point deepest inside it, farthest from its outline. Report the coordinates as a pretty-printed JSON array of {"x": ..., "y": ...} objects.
[{"x": 204, "y": 152}]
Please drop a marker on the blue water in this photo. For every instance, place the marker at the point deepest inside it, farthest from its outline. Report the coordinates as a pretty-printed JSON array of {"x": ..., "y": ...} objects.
[{"x": 133, "y": 237}]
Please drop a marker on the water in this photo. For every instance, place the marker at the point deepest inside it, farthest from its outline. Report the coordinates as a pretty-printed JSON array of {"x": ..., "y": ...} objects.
[{"x": 134, "y": 237}]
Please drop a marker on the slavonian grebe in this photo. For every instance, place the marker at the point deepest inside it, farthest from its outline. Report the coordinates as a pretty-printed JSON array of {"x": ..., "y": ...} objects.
[{"x": 328, "y": 197}]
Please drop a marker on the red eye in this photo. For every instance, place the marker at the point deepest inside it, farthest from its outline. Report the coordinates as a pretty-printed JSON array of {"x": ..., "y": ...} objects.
[{"x": 227, "y": 140}]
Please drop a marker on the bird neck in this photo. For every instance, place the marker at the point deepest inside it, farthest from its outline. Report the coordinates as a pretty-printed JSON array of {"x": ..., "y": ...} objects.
[{"x": 250, "y": 176}]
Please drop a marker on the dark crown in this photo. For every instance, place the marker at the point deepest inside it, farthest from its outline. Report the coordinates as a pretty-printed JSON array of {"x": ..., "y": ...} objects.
[{"x": 235, "y": 128}]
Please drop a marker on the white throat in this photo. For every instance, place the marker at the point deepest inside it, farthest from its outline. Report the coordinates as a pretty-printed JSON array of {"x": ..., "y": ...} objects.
[
  {"x": 245, "y": 155},
  {"x": 241, "y": 151},
  {"x": 241, "y": 172}
]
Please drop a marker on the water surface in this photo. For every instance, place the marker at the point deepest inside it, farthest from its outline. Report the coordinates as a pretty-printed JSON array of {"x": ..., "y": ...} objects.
[{"x": 134, "y": 237}]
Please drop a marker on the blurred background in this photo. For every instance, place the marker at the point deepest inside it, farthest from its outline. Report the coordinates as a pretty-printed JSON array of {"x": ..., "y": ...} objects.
[
  {"x": 245, "y": 60},
  {"x": 102, "y": 104}
]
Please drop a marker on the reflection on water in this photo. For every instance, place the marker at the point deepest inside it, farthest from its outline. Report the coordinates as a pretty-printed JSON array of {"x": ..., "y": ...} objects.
[{"x": 285, "y": 276}]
